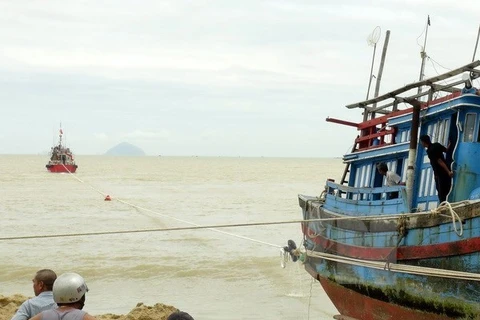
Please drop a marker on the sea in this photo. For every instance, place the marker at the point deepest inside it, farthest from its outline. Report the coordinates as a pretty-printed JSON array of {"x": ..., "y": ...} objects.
[{"x": 214, "y": 273}]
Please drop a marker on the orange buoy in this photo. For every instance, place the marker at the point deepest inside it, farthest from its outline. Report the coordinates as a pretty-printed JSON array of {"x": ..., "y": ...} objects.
[{"x": 107, "y": 198}]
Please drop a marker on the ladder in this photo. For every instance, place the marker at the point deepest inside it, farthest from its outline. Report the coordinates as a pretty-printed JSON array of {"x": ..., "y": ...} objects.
[{"x": 347, "y": 166}]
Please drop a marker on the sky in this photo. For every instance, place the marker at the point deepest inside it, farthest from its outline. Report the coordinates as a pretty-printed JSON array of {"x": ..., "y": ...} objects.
[{"x": 246, "y": 78}]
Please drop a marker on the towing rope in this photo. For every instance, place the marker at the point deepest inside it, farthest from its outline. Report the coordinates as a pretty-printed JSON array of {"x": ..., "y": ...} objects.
[{"x": 403, "y": 268}]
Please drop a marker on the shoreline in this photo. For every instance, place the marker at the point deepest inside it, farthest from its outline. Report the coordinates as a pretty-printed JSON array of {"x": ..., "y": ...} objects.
[{"x": 159, "y": 311}]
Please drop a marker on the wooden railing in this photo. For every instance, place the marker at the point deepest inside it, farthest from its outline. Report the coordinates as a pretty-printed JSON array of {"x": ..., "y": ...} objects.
[{"x": 365, "y": 201}]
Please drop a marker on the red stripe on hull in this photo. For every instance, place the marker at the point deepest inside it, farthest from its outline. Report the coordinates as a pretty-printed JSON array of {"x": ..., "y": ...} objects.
[
  {"x": 355, "y": 305},
  {"x": 402, "y": 253},
  {"x": 62, "y": 168}
]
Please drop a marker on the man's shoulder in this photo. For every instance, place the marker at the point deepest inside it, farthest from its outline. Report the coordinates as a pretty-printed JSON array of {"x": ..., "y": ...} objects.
[
  {"x": 392, "y": 174},
  {"x": 437, "y": 147}
]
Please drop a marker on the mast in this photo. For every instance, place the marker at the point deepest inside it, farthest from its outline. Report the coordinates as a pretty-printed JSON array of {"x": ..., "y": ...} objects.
[
  {"x": 476, "y": 44},
  {"x": 412, "y": 152},
  {"x": 380, "y": 69},
  {"x": 423, "y": 54},
  {"x": 60, "y": 134}
]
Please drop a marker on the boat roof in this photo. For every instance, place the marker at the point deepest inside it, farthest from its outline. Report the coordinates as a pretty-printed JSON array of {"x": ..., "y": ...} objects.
[{"x": 430, "y": 82}]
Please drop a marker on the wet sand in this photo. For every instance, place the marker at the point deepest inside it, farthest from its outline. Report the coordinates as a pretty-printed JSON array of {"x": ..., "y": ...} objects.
[{"x": 10, "y": 304}]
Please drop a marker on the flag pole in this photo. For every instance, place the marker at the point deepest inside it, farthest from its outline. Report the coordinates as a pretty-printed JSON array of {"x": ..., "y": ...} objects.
[{"x": 423, "y": 54}]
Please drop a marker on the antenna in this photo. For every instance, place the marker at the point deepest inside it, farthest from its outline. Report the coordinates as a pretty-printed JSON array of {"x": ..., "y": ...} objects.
[{"x": 372, "y": 40}]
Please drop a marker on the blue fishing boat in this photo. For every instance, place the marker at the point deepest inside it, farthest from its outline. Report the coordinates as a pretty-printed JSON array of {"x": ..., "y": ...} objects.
[{"x": 398, "y": 252}]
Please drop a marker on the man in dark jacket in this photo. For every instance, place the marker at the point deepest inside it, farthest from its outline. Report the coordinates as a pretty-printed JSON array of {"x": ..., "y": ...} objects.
[{"x": 442, "y": 173}]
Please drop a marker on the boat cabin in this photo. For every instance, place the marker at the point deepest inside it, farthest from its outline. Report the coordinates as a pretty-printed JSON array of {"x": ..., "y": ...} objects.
[{"x": 447, "y": 115}]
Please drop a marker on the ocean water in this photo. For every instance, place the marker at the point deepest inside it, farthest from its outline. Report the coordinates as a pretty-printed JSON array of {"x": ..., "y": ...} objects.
[{"x": 228, "y": 273}]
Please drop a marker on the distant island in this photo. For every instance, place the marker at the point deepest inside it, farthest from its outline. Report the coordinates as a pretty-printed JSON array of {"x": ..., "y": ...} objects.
[{"x": 125, "y": 149}]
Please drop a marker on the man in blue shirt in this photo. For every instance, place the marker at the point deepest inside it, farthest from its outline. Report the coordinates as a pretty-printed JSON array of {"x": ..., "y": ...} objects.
[{"x": 43, "y": 300}]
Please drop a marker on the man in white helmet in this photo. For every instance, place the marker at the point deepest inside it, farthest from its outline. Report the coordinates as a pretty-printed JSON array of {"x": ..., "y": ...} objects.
[
  {"x": 69, "y": 293},
  {"x": 43, "y": 300}
]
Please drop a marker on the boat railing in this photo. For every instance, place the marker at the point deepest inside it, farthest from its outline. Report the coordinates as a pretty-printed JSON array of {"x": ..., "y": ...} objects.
[
  {"x": 365, "y": 200},
  {"x": 376, "y": 133},
  {"x": 56, "y": 161}
]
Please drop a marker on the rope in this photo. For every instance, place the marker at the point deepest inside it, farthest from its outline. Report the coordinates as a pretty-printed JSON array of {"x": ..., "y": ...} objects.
[
  {"x": 80, "y": 180},
  {"x": 402, "y": 232},
  {"x": 310, "y": 298},
  {"x": 455, "y": 216},
  {"x": 196, "y": 226},
  {"x": 402, "y": 268},
  {"x": 210, "y": 227}
]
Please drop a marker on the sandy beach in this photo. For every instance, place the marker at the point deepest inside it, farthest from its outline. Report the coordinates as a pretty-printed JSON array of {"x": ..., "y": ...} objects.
[{"x": 10, "y": 304}]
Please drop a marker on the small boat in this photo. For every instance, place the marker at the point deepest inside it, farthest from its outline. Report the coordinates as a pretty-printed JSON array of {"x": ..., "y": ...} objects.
[
  {"x": 61, "y": 158},
  {"x": 396, "y": 252}
]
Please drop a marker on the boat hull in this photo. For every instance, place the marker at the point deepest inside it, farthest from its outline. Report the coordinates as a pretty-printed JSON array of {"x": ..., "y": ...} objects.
[
  {"x": 360, "y": 307},
  {"x": 62, "y": 168},
  {"x": 352, "y": 259}
]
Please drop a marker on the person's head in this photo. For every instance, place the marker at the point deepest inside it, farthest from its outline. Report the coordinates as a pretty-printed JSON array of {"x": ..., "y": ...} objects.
[
  {"x": 382, "y": 168},
  {"x": 43, "y": 281},
  {"x": 69, "y": 289},
  {"x": 425, "y": 140},
  {"x": 180, "y": 315}
]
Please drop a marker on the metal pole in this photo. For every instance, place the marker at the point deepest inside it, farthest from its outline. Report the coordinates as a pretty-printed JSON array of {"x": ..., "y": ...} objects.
[
  {"x": 423, "y": 54},
  {"x": 412, "y": 153},
  {"x": 476, "y": 44},
  {"x": 371, "y": 70},
  {"x": 365, "y": 112},
  {"x": 380, "y": 69}
]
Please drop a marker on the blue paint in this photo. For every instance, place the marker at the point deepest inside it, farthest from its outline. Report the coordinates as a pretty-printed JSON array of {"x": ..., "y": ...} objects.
[{"x": 456, "y": 120}]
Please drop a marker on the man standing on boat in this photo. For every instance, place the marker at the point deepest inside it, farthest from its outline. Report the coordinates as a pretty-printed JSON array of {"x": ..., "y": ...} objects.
[
  {"x": 391, "y": 179},
  {"x": 443, "y": 175}
]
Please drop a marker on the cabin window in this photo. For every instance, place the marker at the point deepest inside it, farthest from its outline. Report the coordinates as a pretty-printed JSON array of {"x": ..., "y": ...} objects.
[
  {"x": 443, "y": 126},
  {"x": 387, "y": 138},
  {"x": 469, "y": 130},
  {"x": 403, "y": 136},
  {"x": 363, "y": 176},
  {"x": 438, "y": 131}
]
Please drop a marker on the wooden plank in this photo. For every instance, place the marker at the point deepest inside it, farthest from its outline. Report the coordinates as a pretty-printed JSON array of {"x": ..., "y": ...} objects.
[
  {"x": 347, "y": 123},
  {"x": 375, "y": 135},
  {"x": 428, "y": 82}
]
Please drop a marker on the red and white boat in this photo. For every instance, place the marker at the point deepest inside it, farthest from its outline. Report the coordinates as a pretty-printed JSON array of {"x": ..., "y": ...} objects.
[{"x": 61, "y": 158}]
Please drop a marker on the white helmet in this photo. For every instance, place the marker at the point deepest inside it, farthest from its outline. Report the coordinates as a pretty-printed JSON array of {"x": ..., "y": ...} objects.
[{"x": 69, "y": 288}]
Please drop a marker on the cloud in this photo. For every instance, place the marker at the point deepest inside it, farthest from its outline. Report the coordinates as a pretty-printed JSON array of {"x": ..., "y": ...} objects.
[
  {"x": 148, "y": 135},
  {"x": 102, "y": 137},
  {"x": 211, "y": 77}
]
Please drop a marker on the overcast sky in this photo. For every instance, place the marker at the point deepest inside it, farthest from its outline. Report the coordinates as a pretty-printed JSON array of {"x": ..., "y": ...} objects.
[{"x": 210, "y": 78}]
